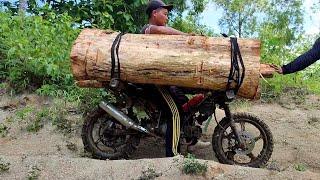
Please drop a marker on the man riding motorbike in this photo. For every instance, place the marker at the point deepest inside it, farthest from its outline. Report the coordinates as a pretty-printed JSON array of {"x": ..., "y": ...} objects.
[{"x": 157, "y": 12}]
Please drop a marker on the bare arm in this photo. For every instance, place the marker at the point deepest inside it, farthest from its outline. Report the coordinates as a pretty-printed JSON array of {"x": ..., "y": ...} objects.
[{"x": 165, "y": 30}]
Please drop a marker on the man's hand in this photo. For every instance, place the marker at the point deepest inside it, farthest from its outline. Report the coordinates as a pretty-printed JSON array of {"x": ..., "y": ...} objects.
[{"x": 278, "y": 69}]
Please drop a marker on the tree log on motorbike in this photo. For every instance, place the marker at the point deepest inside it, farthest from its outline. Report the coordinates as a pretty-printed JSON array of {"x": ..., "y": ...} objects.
[{"x": 113, "y": 130}]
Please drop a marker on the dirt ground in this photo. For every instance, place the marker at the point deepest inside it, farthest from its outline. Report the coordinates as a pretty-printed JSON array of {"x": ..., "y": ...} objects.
[
  {"x": 295, "y": 129},
  {"x": 295, "y": 126}
]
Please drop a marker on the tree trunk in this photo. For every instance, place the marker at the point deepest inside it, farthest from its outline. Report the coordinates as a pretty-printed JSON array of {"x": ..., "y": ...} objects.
[{"x": 185, "y": 61}]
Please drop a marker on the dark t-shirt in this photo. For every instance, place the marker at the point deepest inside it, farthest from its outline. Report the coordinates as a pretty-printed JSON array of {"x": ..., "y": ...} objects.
[{"x": 304, "y": 60}]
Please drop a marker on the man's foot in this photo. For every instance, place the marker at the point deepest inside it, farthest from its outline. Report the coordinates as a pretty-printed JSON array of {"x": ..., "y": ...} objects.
[{"x": 199, "y": 145}]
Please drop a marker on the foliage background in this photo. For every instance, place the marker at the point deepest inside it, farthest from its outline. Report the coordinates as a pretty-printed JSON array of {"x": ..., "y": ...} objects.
[{"x": 36, "y": 37}]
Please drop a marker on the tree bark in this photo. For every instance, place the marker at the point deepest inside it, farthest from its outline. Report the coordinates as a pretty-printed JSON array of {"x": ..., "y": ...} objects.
[{"x": 185, "y": 61}]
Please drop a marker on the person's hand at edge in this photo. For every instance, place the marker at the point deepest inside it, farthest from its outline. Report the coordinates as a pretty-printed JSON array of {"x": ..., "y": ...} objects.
[{"x": 278, "y": 69}]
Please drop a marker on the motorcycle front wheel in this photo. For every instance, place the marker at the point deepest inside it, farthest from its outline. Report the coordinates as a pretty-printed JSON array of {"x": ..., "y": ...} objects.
[{"x": 254, "y": 133}]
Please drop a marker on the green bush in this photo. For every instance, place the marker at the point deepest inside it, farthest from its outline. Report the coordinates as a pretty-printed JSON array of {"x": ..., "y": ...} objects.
[
  {"x": 37, "y": 121},
  {"x": 193, "y": 166},
  {"x": 35, "y": 51},
  {"x": 34, "y": 173},
  {"x": 4, "y": 130},
  {"x": 300, "y": 167},
  {"x": 149, "y": 174},
  {"x": 300, "y": 84},
  {"x": 34, "y": 118},
  {"x": 35, "y": 55},
  {"x": 4, "y": 166}
]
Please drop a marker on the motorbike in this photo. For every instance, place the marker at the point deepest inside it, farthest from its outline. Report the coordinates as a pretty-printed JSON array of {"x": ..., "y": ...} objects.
[{"x": 113, "y": 130}]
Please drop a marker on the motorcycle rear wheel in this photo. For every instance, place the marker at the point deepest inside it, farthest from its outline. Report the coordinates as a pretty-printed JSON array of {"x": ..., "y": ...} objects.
[
  {"x": 258, "y": 140},
  {"x": 105, "y": 138}
]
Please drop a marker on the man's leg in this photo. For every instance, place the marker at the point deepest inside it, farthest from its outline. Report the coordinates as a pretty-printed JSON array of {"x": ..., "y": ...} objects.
[
  {"x": 169, "y": 152},
  {"x": 180, "y": 98}
]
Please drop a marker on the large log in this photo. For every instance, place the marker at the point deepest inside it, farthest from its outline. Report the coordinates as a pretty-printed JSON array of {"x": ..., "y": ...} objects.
[{"x": 186, "y": 61}]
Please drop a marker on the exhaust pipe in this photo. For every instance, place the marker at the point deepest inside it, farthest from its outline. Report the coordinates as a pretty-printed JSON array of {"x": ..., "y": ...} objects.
[{"x": 122, "y": 118}]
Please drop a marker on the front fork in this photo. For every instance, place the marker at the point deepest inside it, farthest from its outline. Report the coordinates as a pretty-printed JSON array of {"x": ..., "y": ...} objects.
[{"x": 232, "y": 124}]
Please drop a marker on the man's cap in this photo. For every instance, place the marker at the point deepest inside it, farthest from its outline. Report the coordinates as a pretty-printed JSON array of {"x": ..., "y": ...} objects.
[{"x": 156, "y": 4}]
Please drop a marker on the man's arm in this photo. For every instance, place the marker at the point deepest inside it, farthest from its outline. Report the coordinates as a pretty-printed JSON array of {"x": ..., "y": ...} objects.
[
  {"x": 165, "y": 30},
  {"x": 304, "y": 60}
]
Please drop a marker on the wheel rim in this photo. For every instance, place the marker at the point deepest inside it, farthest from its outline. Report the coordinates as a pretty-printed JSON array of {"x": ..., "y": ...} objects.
[
  {"x": 104, "y": 136},
  {"x": 254, "y": 138}
]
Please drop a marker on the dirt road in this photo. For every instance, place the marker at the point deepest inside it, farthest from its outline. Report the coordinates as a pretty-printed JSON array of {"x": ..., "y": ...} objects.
[{"x": 295, "y": 128}]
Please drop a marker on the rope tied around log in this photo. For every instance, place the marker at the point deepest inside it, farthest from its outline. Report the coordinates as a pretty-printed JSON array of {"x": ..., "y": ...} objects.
[
  {"x": 237, "y": 73},
  {"x": 115, "y": 71}
]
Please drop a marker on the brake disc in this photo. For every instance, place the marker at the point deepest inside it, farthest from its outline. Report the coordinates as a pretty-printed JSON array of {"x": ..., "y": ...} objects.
[{"x": 248, "y": 139}]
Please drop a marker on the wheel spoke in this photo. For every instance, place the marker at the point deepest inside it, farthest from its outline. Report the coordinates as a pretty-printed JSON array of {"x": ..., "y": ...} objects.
[
  {"x": 230, "y": 155},
  {"x": 242, "y": 124},
  {"x": 252, "y": 157},
  {"x": 256, "y": 146},
  {"x": 98, "y": 141},
  {"x": 257, "y": 138}
]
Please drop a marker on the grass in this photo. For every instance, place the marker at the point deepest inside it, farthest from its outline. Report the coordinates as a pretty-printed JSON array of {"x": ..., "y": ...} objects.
[
  {"x": 296, "y": 93},
  {"x": 32, "y": 117},
  {"x": 35, "y": 126},
  {"x": 3, "y": 88},
  {"x": 3, "y": 85},
  {"x": 4, "y": 130},
  {"x": 193, "y": 166},
  {"x": 71, "y": 146},
  {"x": 33, "y": 173},
  {"x": 4, "y": 166},
  {"x": 149, "y": 174},
  {"x": 300, "y": 167},
  {"x": 240, "y": 104},
  {"x": 23, "y": 113}
]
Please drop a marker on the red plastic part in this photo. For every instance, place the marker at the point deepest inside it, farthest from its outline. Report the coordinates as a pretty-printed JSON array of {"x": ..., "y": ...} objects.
[{"x": 192, "y": 102}]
